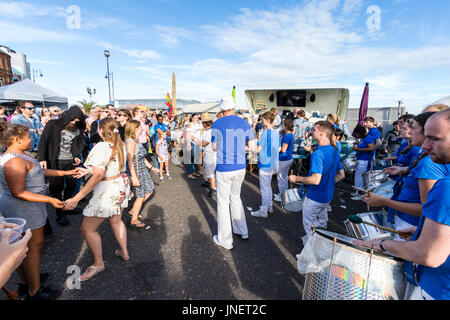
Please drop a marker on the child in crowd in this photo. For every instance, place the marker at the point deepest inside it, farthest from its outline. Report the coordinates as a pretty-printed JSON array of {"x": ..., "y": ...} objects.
[
  {"x": 364, "y": 155},
  {"x": 268, "y": 149},
  {"x": 163, "y": 155},
  {"x": 285, "y": 157}
]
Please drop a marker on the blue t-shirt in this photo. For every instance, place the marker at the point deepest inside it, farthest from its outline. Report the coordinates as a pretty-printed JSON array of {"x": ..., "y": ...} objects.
[
  {"x": 339, "y": 146},
  {"x": 436, "y": 281},
  {"x": 270, "y": 144},
  {"x": 365, "y": 155},
  {"x": 375, "y": 133},
  {"x": 407, "y": 159},
  {"x": 410, "y": 192},
  {"x": 231, "y": 134},
  {"x": 289, "y": 140},
  {"x": 327, "y": 162},
  {"x": 162, "y": 127}
]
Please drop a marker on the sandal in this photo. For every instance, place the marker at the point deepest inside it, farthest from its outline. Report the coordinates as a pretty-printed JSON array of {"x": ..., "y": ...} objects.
[
  {"x": 97, "y": 271},
  {"x": 138, "y": 225},
  {"x": 119, "y": 253},
  {"x": 131, "y": 216},
  {"x": 192, "y": 177}
]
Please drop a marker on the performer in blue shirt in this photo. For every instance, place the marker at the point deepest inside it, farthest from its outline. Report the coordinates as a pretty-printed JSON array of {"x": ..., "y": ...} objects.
[
  {"x": 230, "y": 135},
  {"x": 426, "y": 253},
  {"x": 364, "y": 154},
  {"x": 326, "y": 171},
  {"x": 287, "y": 147},
  {"x": 268, "y": 149},
  {"x": 411, "y": 192}
]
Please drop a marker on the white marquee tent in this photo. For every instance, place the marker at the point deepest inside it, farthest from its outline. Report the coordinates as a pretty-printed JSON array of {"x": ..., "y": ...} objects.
[{"x": 28, "y": 90}]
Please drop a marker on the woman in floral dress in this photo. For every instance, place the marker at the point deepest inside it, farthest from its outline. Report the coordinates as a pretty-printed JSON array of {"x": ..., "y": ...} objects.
[{"x": 111, "y": 191}]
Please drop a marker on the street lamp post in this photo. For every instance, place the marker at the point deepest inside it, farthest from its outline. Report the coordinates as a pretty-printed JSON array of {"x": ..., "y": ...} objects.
[
  {"x": 91, "y": 92},
  {"x": 36, "y": 73},
  {"x": 107, "y": 55},
  {"x": 399, "y": 107}
]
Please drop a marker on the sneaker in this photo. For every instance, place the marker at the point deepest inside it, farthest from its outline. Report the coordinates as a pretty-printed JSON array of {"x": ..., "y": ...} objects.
[
  {"x": 259, "y": 214},
  {"x": 216, "y": 241},
  {"x": 169, "y": 177},
  {"x": 277, "y": 197},
  {"x": 243, "y": 236},
  {"x": 212, "y": 193},
  {"x": 161, "y": 179},
  {"x": 206, "y": 185}
]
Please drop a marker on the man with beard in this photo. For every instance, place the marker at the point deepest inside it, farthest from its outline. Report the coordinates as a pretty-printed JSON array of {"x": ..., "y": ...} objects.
[
  {"x": 60, "y": 145},
  {"x": 426, "y": 251}
]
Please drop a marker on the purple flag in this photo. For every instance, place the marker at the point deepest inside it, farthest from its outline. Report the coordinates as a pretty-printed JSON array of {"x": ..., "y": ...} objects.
[{"x": 363, "y": 108}]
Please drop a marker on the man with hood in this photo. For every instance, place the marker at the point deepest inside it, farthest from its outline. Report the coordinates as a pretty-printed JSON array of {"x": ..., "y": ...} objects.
[{"x": 60, "y": 145}]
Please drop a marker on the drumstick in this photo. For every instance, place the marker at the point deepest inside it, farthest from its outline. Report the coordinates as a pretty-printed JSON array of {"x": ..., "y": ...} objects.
[{"x": 358, "y": 220}]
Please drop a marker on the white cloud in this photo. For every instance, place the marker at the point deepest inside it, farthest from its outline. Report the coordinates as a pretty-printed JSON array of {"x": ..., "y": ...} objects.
[
  {"x": 23, "y": 9},
  {"x": 141, "y": 55}
]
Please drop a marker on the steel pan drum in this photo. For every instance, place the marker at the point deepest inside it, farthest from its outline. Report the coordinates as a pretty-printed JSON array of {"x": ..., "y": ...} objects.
[
  {"x": 337, "y": 269},
  {"x": 379, "y": 163},
  {"x": 366, "y": 232},
  {"x": 349, "y": 164},
  {"x": 373, "y": 176},
  {"x": 385, "y": 189},
  {"x": 292, "y": 201}
]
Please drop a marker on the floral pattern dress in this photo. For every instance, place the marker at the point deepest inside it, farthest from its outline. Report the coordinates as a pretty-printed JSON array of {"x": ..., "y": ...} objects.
[{"x": 109, "y": 197}]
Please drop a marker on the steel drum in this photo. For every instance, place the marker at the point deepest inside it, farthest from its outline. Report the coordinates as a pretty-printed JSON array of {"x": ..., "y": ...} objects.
[
  {"x": 366, "y": 232},
  {"x": 349, "y": 164},
  {"x": 385, "y": 189},
  {"x": 374, "y": 176},
  {"x": 380, "y": 163},
  {"x": 292, "y": 201},
  {"x": 337, "y": 269}
]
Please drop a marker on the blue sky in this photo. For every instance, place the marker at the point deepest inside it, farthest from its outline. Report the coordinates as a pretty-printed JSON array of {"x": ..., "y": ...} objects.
[{"x": 213, "y": 45}]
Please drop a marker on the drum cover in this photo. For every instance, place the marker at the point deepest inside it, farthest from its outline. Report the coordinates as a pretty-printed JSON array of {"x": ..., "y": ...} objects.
[{"x": 342, "y": 270}]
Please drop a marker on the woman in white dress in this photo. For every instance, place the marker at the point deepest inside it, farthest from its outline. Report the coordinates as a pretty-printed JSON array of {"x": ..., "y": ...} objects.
[{"x": 107, "y": 163}]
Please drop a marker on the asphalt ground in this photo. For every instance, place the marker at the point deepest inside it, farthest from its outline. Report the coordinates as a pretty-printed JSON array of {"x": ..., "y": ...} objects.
[{"x": 176, "y": 259}]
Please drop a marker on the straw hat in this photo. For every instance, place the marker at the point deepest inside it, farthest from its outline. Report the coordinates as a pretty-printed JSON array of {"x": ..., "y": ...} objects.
[{"x": 206, "y": 117}]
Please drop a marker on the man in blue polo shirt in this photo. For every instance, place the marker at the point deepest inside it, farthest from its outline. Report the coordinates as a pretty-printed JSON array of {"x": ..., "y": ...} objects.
[
  {"x": 326, "y": 171},
  {"x": 230, "y": 135},
  {"x": 426, "y": 253}
]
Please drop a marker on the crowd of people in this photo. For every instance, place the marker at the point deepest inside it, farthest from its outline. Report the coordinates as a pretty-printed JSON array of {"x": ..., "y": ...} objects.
[{"x": 107, "y": 156}]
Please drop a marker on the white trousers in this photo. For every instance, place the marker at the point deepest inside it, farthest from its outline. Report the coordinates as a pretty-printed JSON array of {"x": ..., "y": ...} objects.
[
  {"x": 314, "y": 214},
  {"x": 361, "y": 168},
  {"x": 283, "y": 175},
  {"x": 265, "y": 185},
  {"x": 230, "y": 210}
]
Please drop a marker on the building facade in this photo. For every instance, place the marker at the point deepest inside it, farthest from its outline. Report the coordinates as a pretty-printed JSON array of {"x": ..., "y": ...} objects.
[
  {"x": 5, "y": 69},
  {"x": 20, "y": 68}
]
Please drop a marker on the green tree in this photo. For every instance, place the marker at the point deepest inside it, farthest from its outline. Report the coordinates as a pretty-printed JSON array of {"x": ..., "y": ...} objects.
[{"x": 88, "y": 105}]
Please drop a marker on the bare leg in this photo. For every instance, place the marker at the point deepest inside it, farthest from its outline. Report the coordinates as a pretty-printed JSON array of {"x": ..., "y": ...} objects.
[
  {"x": 89, "y": 230},
  {"x": 212, "y": 182},
  {"x": 167, "y": 167},
  {"x": 120, "y": 232},
  {"x": 137, "y": 206},
  {"x": 31, "y": 265}
]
